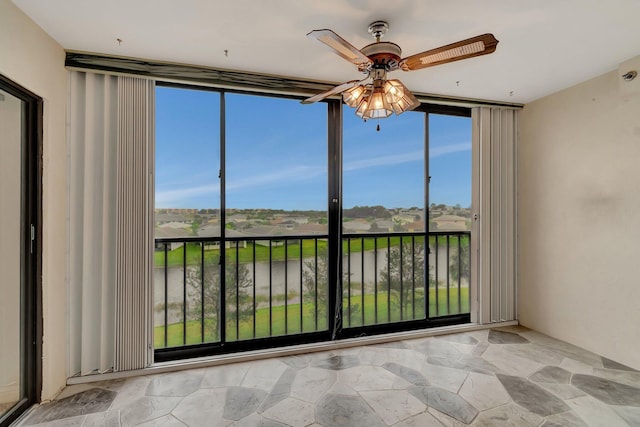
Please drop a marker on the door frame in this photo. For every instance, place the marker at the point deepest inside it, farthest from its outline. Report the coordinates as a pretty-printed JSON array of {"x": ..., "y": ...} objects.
[{"x": 31, "y": 248}]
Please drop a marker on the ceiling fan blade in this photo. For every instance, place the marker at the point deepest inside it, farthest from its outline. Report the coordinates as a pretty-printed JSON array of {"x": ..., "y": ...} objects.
[
  {"x": 475, "y": 46},
  {"x": 340, "y": 46},
  {"x": 328, "y": 93}
]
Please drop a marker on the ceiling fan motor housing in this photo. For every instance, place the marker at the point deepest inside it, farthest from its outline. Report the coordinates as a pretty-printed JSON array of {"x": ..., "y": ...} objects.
[{"x": 385, "y": 55}]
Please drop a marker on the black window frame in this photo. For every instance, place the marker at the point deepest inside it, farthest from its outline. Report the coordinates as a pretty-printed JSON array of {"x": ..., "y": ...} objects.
[{"x": 336, "y": 330}]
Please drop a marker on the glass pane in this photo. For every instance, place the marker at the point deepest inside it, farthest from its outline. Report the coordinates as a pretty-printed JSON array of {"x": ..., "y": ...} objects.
[
  {"x": 276, "y": 193},
  {"x": 383, "y": 174},
  {"x": 12, "y": 283},
  {"x": 187, "y": 198},
  {"x": 449, "y": 214},
  {"x": 384, "y": 193},
  {"x": 450, "y": 171}
]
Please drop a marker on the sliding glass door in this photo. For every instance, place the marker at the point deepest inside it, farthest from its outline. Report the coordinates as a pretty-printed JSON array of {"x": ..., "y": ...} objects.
[
  {"x": 19, "y": 371},
  {"x": 275, "y": 217},
  {"x": 241, "y": 221},
  {"x": 280, "y": 223},
  {"x": 450, "y": 212},
  {"x": 406, "y": 220},
  {"x": 383, "y": 227},
  {"x": 10, "y": 251}
]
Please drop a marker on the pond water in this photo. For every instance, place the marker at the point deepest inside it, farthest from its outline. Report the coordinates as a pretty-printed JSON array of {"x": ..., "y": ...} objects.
[{"x": 285, "y": 278}]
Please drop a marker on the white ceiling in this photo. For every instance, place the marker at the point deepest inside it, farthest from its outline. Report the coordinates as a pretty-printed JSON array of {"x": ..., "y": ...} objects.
[{"x": 545, "y": 45}]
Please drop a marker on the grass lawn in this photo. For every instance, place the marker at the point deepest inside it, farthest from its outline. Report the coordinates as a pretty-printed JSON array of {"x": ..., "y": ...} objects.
[
  {"x": 245, "y": 255},
  {"x": 385, "y": 313}
]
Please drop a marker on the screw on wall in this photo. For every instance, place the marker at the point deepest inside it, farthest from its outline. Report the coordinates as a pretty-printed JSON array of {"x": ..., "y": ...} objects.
[{"x": 627, "y": 77}]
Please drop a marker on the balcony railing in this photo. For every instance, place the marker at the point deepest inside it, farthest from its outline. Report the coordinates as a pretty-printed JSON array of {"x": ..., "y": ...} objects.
[
  {"x": 278, "y": 286},
  {"x": 396, "y": 291}
]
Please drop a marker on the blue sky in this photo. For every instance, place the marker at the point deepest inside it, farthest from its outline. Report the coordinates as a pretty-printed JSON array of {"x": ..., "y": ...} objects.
[{"x": 276, "y": 154}]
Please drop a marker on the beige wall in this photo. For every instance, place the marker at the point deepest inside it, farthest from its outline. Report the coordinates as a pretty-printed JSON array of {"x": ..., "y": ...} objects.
[
  {"x": 31, "y": 58},
  {"x": 579, "y": 218}
]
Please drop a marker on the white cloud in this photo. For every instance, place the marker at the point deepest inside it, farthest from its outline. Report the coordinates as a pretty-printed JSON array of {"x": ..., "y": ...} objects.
[
  {"x": 298, "y": 173},
  {"x": 166, "y": 198},
  {"x": 448, "y": 149},
  {"x": 411, "y": 156},
  {"x": 384, "y": 160}
]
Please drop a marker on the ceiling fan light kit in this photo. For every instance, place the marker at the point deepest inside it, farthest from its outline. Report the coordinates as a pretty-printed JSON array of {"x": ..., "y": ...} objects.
[
  {"x": 375, "y": 97},
  {"x": 378, "y": 106}
]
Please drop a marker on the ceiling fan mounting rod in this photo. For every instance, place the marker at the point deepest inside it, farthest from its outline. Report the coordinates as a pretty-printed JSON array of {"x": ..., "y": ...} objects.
[{"x": 378, "y": 29}]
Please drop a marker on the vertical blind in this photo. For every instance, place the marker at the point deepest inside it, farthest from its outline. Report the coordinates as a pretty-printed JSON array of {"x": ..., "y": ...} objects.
[
  {"x": 495, "y": 136},
  {"x": 134, "y": 225},
  {"x": 110, "y": 136},
  {"x": 92, "y": 130}
]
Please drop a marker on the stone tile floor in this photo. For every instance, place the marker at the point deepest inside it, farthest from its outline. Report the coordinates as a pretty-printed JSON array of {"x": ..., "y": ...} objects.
[{"x": 509, "y": 376}]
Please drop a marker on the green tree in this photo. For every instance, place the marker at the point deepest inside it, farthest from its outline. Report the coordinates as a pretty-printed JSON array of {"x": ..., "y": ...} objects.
[
  {"x": 400, "y": 272},
  {"x": 316, "y": 280},
  {"x": 461, "y": 259},
  {"x": 195, "y": 224},
  {"x": 237, "y": 290},
  {"x": 397, "y": 225},
  {"x": 316, "y": 283}
]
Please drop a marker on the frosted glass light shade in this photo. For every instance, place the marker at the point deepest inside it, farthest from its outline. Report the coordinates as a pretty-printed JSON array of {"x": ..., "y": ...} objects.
[
  {"x": 399, "y": 97},
  {"x": 378, "y": 106},
  {"x": 362, "y": 107},
  {"x": 353, "y": 96}
]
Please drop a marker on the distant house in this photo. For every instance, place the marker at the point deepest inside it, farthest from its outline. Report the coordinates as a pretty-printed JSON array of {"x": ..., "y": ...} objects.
[
  {"x": 166, "y": 218},
  {"x": 176, "y": 225},
  {"x": 214, "y": 231},
  {"x": 384, "y": 225},
  {"x": 414, "y": 226},
  {"x": 288, "y": 224},
  {"x": 313, "y": 229},
  {"x": 355, "y": 226},
  {"x": 296, "y": 219},
  {"x": 269, "y": 232},
  {"x": 404, "y": 217},
  {"x": 169, "y": 232},
  {"x": 450, "y": 223}
]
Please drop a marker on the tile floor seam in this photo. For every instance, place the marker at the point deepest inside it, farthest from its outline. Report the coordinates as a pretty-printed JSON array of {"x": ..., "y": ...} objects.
[
  {"x": 462, "y": 383},
  {"x": 170, "y": 412}
]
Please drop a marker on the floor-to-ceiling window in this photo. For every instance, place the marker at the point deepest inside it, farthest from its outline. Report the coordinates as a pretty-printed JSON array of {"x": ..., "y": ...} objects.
[
  {"x": 19, "y": 250},
  {"x": 278, "y": 222}
]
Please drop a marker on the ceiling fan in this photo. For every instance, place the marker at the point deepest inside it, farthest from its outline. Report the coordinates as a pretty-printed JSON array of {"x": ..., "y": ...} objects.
[{"x": 375, "y": 96}]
